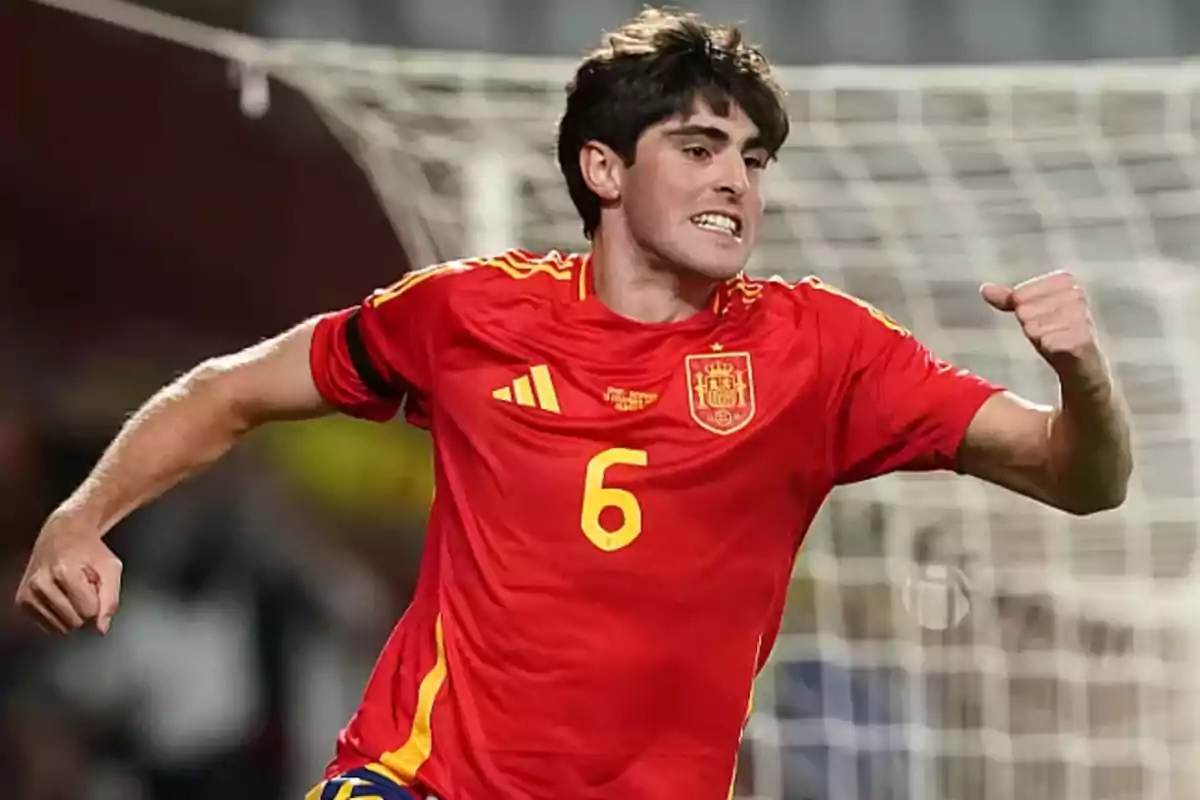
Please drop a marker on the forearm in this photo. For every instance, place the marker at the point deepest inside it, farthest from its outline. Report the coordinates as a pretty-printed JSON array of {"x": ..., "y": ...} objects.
[
  {"x": 1076, "y": 457},
  {"x": 1091, "y": 458},
  {"x": 72, "y": 576},
  {"x": 195, "y": 421},
  {"x": 180, "y": 430}
]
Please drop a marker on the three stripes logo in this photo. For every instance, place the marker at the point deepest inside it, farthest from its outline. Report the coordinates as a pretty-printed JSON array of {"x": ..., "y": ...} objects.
[{"x": 534, "y": 390}]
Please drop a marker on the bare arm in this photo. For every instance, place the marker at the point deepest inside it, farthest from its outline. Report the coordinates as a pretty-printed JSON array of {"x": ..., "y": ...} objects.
[
  {"x": 72, "y": 576},
  {"x": 1076, "y": 457},
  {"x": 196, "y": 420}
]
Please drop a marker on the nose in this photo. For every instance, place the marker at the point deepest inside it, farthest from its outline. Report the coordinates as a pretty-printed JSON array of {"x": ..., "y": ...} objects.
[{"x": 735, "y": 180}]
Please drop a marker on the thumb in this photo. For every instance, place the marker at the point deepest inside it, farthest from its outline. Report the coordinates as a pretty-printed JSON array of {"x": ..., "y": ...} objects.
[
  {"x": 997, "y": 296},
  {"x": 108, "y": 589}
]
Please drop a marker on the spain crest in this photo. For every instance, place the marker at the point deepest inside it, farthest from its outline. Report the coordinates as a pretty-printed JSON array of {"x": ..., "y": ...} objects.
[{"x": 720, "y": 391}]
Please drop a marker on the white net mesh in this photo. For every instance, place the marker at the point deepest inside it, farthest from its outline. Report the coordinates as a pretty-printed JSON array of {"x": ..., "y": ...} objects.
[{"x": 946, "y": 640}]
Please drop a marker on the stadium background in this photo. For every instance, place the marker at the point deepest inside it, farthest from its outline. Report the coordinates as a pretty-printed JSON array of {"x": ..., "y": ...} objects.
[{"x": 944, "y": 641}]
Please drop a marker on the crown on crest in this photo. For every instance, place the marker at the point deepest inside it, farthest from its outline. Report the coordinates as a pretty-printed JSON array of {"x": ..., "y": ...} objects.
[{"x": 720, "y": 369}]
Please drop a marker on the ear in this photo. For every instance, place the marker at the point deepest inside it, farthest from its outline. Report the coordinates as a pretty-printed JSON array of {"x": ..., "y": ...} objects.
[{"x": 602, "y": 169}]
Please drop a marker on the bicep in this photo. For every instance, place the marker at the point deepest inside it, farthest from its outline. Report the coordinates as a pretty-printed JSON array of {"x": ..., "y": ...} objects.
[
  {"x": 1008, "y": 443},
  {"x": 273, "y": 379}
]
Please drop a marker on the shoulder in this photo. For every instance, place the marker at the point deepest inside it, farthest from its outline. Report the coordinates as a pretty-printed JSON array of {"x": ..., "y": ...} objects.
[
  {"x": 512, "y": 273},
  {"x": 813, "y": 301}
]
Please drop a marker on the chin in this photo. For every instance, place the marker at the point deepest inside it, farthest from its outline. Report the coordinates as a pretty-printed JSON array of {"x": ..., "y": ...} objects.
[
  {"x": 716, "y": 261},
  {"x": 717, "y": 271},
  {"x": 716, "y": 256},
  {"x": 718, "y": 266}
]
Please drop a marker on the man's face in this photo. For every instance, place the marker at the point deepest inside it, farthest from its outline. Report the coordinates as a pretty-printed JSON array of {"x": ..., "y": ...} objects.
[{"x": 692, "y": 196}]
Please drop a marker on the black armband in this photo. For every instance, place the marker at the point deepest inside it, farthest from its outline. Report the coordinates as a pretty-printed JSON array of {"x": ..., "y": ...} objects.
[{"x": 367, "y": 372}]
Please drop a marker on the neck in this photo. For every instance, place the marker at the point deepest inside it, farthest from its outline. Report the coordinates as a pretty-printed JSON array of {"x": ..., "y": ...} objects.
[{"x": 637, "y": 287}]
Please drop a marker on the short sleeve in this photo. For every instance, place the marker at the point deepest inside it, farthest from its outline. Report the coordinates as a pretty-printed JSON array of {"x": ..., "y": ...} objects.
[
  {"x": 893, "y": 404},
  {"x": 371, "y": 360}
]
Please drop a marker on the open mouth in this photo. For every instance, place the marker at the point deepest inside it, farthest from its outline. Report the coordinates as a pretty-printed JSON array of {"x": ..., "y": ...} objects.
[{"x": 719, "y": 223}]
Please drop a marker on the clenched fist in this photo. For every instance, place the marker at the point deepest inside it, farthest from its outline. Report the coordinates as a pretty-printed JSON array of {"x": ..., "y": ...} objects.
[
  {"x": 1054, "y": 314},
  {"x": 72, "y": 578}
]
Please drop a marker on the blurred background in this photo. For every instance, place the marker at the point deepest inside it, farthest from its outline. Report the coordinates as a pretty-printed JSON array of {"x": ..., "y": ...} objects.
[{"x": 182, "y": 178}]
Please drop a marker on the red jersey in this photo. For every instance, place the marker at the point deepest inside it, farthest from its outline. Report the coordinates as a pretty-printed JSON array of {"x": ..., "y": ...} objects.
[{"x": 618, "y": 506}]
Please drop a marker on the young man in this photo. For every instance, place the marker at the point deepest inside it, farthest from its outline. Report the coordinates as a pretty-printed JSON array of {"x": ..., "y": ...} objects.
[{"x": 630, "y": 445}]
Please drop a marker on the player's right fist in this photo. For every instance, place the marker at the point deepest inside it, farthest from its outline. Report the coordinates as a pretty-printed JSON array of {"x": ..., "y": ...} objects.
[{"x": 72, "y": 578}]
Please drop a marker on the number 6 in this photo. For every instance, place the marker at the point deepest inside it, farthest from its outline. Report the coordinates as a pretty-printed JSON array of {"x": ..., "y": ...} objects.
[{"x": 597, "y": 497}]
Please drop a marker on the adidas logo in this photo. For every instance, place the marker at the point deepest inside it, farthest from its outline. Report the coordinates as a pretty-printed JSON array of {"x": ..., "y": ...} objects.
[{"x": 534, "y": 390}]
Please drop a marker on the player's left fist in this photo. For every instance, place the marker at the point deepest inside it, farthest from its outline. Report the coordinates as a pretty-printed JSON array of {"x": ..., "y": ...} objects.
[{"x": 1054, "y": 314}]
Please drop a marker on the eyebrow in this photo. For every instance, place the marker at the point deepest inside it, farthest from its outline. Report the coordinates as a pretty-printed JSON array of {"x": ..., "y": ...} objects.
[{"x": 716, "y": 134}]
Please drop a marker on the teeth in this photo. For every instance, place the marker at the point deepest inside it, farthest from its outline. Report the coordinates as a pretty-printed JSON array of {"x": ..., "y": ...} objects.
[{"x": 717, "y": 222}]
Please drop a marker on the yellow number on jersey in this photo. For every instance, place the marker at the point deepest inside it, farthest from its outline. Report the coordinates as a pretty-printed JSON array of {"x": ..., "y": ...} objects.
[{"x": 597, "y": 497}]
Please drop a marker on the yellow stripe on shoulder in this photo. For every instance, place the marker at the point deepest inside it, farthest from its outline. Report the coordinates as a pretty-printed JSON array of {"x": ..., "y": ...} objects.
[
  {"x": 520, "y": 265},
  {"x": 517, "y": 264},
  {"x": 884, "y": 319},
  {"x": 415, "y": 278}
]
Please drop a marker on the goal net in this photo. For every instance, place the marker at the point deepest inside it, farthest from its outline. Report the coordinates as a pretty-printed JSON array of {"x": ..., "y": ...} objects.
[{"x": 945, "y": 640}]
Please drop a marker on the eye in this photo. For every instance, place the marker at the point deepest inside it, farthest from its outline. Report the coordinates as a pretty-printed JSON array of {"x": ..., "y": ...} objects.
[
  {"x": 696, "y": 152},
  {"x": 755, "y": 161}
]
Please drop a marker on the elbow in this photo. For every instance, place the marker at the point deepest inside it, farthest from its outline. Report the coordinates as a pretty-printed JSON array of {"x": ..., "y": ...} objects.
[
  {"x": 215, "y": 385},
  {"x": 1101, "y": 496},
  {"x": 1094, "y": 504}
]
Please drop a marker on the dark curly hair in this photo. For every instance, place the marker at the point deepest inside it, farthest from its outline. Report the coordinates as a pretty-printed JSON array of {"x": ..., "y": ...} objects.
[{"x": 653, "y": 68}]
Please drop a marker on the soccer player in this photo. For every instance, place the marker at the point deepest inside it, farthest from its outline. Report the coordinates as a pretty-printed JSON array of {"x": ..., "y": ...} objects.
[{"x": 630, "y": 444}]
